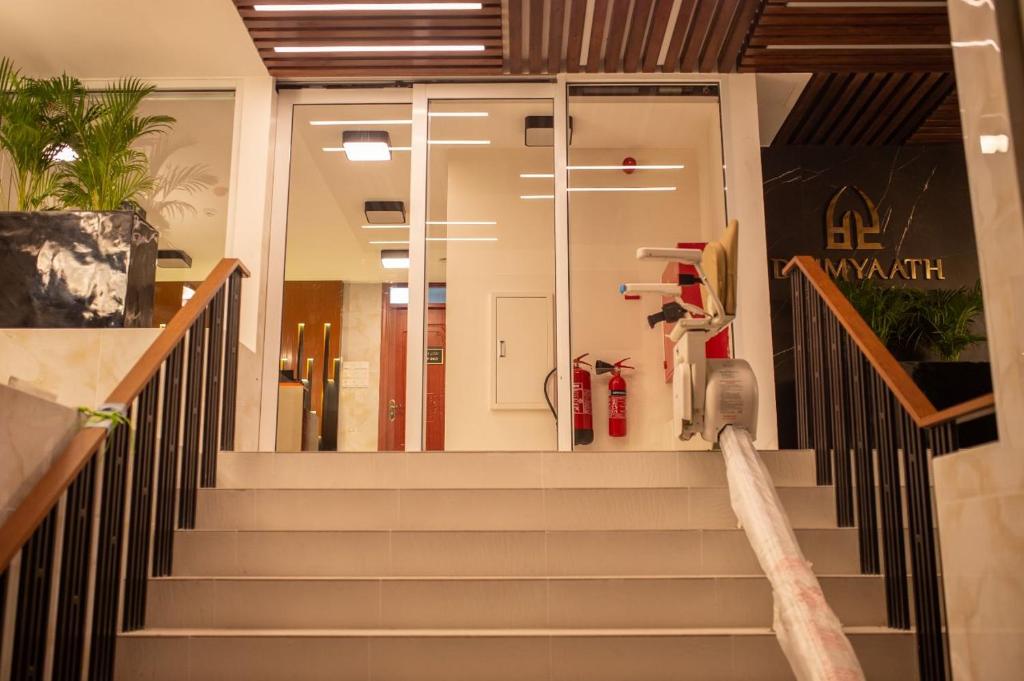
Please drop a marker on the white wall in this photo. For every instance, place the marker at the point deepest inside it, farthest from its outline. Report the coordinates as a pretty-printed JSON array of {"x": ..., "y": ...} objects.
[{"x": 483, "y": 184}]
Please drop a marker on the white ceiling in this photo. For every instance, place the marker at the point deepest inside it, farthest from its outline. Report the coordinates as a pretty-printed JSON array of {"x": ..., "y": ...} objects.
[
  {"x": 115, "y": 38},
  {"x": 776, "y": 95},
  {"x": 326, "y": 240}
]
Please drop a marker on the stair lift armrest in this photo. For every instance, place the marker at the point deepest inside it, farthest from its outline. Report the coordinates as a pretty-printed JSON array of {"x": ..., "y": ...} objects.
[{"x": 687, "y": 256}]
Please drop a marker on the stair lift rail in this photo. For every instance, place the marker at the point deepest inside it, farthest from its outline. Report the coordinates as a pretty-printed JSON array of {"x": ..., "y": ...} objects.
[
  {"x": 856, "y": 404},
  {"x": 77, "y": 553},
  {"x": 717, "y": 399}
]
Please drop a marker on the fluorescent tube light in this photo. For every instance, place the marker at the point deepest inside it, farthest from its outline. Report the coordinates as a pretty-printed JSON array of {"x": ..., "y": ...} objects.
[
  {"x": 383, "y": 121},
  {"x": 368, "y": 49},
  {"x": 621, "y": 167},
  {"x": 458, "y": 114},
  {"x": 463, "y": 142},
  {"x": 622, "y": 189},
  {"x": 536, "y": 197},
  {"x": 537, "y": 176},
  {"x": 396, "y": 242},
  {"x": 385, "y": 226},
  {"x": 366, "y": 145},
  {"x": 373, "y": 7}
]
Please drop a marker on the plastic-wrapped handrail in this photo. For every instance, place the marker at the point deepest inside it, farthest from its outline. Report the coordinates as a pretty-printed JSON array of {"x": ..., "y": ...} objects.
[{"x": 810, "y": 634}]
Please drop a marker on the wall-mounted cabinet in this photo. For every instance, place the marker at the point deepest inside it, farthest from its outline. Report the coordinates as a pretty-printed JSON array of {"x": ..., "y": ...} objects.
[{"x": 523, "y": 342}]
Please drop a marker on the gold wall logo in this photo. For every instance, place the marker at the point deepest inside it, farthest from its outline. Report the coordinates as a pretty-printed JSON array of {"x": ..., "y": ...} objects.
[{"x": 859, "y": 228}]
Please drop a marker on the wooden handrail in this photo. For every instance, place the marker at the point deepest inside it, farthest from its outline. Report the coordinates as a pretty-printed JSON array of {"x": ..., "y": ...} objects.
[
  {"x": 31, "y": 512},
  {"x": 913, "y": 399}
]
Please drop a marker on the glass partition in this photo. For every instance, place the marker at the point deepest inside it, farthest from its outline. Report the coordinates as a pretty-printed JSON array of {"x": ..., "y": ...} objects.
[
  {"x": 345, "y": 307},
  {"x": 644, "y": 169},
  {"x": 490, "y": 348}
]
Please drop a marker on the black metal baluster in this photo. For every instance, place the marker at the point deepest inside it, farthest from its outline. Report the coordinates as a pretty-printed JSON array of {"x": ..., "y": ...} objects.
[
  {"x": 819, "y": 411},
  {"x": 108, "y": 556},
  {"x": 212, "y": 388},
  {"x": 931, "y": 650},
  {"x": 796, "y": 283},
  {"x": 893, "y": 548},
  {"x": 838, "y": 393},
  {"x": 227, "y": 434},
  {"x": 864, "y": 465},
  {"x": 170, "y": 423},
  {"x": 190, "y": 444},
  {"x": 30, "y": 625},
  {"x": 136, "y": 569},
  {"x": 69, "y": 641}
]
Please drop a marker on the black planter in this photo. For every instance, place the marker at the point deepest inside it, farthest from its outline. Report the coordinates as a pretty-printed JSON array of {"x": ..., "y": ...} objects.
[
  {"x": 74, "y": 269},
  {"x": 949, "y": 383}
]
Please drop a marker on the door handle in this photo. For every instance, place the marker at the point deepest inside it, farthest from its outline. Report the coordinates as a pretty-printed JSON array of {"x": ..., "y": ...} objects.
[
  {"x": 501, "y": 348},
  {"x": 392, "y": 410}
]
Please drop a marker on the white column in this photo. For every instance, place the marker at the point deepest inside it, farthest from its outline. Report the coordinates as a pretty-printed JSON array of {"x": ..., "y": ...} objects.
[
  {"x": 248, "y": 237},
  {"x": 745, "y": 203}
]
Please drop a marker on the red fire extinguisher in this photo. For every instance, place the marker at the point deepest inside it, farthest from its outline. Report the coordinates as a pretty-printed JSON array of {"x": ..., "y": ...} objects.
[
  {"x": 616, "y": 396},
  {"x": 582, "y": 409}
]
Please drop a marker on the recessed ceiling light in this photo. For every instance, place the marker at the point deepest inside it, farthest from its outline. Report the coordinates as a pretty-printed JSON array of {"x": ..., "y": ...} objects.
[
  {"x": 394, "y": 259},
  {"x": 173, "y": 258},
  {"x": 366, "y": 145},
  {"x": 461, "y": 222},
  {"x": 536, "y": 176},
  {"x": 366, "y": 49},
  {"x": 622, "y": 189},
  {"x": 335, "y": 150},
  {"x": 384, "y": 212},
  {"x": 458, "y": 114},
  {"x": 537, "y": 197},
  {"x": 383, "y": 121},
  {"x": 622, "y": 167},
  {"x": 372, "y": 7},
  {"x": 464, "y": 142}
]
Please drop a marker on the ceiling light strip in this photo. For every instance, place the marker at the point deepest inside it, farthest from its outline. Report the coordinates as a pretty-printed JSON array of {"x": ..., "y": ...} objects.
[
  {"x": 536, "y": 197},
  {"x": 678, "y": 166},
  {"x": 335, "y": 150},
  {"x": 385, "y": 226},
  {"x": 622, "y": 189},
  {"x": 461, "y": 142},
  {"x": 458, "y": 114},
  {"x": 395, "y": 121},
  {"x": 373, "y": 7},
  {"x": 461, "y": 222},
  {"x": 537, "y": 176},
  {"x": 373, "y": 49},
  {"x": 436, "y": 238}
]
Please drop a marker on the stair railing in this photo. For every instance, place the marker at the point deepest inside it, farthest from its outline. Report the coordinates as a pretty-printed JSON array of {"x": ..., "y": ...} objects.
[
  {"x": 77, "y": 553},
  {"x": 855, "y": 402}
]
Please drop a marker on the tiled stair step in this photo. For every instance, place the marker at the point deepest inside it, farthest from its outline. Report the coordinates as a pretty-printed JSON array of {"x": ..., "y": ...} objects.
[
  {"x": 486, "y": 655},
  {"x": 495, "y": 509},
  {"x": 495, "y": 603},
  {"x": 495, "y": 553},
  {"x": 476, "y": 470}
]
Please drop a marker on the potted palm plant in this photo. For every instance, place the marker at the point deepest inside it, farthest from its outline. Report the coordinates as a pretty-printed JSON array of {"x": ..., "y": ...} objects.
[{"x": 76, "y": 251}]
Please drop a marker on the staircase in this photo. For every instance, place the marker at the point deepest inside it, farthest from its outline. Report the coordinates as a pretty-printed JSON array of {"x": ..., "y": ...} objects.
[{"x": 480, "y": 566}]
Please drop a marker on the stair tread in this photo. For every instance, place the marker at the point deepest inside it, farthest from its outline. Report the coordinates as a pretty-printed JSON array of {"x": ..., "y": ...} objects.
[{"x": 487, "y": 633}]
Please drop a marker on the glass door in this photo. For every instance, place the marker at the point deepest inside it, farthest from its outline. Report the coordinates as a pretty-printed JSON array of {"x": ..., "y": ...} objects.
[{"x": 489, "y": 327}]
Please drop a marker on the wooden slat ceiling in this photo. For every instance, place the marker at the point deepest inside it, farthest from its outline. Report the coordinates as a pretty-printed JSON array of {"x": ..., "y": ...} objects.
[
  {"x": 838, "y": 35},
  {"x": 870, "y": 109},
  {"x": 882, "y": 68},
  {"x": 478, "y": 27},
  {"x": 627, "y": 36},
  {"x": 943, "y": 125}
]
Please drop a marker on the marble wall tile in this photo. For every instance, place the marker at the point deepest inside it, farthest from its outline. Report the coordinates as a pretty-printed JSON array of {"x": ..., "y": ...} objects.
[
  {"x": 26, "y": 453},
  {"x": 79, "y": 366},
  {"x": 979, "y": 498},
  {"x": 360, "y": 342}
]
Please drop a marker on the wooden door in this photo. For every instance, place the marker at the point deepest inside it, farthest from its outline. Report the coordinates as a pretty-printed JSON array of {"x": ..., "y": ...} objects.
[
  {"x": 393, "y": 344},
  {"x": 436, "y": 360}
]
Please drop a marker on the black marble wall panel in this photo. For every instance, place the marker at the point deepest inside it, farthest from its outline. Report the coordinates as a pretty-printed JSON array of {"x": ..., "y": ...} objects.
[
  {"x": 65, "y": 269},
  {"x": 924, "y": 213}
]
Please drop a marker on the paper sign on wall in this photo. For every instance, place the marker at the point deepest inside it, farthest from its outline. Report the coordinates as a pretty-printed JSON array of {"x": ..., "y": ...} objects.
[{"x": 355, "y": 375}]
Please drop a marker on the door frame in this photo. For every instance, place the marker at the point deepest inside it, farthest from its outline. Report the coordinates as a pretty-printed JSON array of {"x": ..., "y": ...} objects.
[{"x": 419, "y": 96}]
